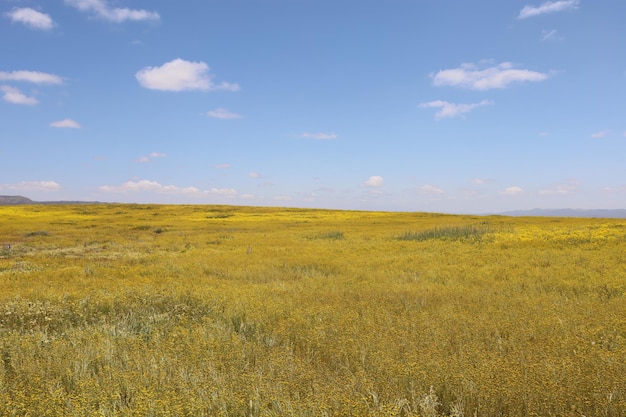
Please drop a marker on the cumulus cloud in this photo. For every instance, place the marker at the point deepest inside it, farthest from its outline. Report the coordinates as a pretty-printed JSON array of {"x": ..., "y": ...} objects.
[
  {"x": 601, "y": 134},
  {"x": 473, "y": 77},
  {"x": 514, "y": 190},
  {"x": 66, "y": 123},
  {"x": 429, "y": 189},
  {"x": 101, "y": 9},
  {"x": 143, "y": 185},
  {"x": 319, "y": 136},
  {"x": 255, "y": 175},
  {"x": 374, "y": 181},
  {"x": 223, "y": 114},
  {"x": 479, "y": 181},
  {"x": 32, "y": 186},
  {"x": 31, "y": 18},
  {"x": 35, "y": 77},
  {"x": 15, "y": 96},
  {"x": 568, "y": 187},
  {"x": 548, "y": 7},
  {"x": 156, "y": 187},
  {"x": 181, "y": 75},
  {"x": 452, "y": 109}
]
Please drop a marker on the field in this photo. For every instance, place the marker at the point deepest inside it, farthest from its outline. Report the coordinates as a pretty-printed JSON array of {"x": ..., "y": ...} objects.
[{"x": 140, "y": 310}]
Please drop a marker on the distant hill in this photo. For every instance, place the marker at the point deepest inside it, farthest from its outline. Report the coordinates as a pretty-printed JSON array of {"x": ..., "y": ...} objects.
[
  {"x": 14, "y": 200},
  {"x": 600, "y": 213}
]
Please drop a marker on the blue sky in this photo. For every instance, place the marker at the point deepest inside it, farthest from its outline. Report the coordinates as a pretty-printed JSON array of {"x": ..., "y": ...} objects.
[{"x": 452, "y": 106}]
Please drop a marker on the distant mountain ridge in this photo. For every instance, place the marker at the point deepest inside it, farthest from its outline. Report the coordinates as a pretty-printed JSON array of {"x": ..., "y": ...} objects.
[
  {"x": 597, "y": 213},
  {"x": 17, "y": 200},
  {"x": 14, "y": 200}
]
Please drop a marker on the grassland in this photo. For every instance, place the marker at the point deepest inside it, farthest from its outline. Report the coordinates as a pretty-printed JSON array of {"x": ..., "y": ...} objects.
[{"x": 137, "y": 310}]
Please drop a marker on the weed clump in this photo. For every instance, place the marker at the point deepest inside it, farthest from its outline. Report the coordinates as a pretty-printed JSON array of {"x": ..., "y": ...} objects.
[
  {"x": 38, "y": 233},
  {"x": 220, "y": 216},
  {"x": 465, "y": 232},
  {"x": 332, "y": 235},
  {"x": 142, "y": 227}
]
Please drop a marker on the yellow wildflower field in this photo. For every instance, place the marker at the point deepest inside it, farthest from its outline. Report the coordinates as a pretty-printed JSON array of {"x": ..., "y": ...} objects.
[{"x": 157, "y": 310}]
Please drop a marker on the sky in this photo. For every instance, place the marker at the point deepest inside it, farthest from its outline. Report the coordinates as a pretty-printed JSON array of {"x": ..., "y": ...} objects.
[{"x": 454, "y": 106}]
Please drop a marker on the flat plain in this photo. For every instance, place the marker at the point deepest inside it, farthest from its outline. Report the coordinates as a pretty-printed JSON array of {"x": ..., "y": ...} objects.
[{"x": 190, "y": 310}]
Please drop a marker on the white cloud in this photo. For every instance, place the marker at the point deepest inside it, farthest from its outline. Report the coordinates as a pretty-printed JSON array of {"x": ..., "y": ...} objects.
[
  {"x": 479, "y": 181},
  {"x": 600, "y": 134},
  {"x": 118, "y": 15},
  {"x": 254, "y": 175},
  {"x": 282, "y": 198},
  {"x": 452, "y": 109},
  {"x": 156, "y": 187},
  {"x": 147, "y": 158},
  {"x": 223, "y": 114},
  {"x": 374, "y": 181},
  {"x": 222, "y": 166},
  {"x": 15, "y": 96},
  {"x": 32, "y": 186},
  {"x": 514, "y": 190},
  {"x": 550, "y": 35},
  {"x": 615, "y": 190},
  {"x": 561, "y": 189},
  {"x": 429, "y": 189},
  {"x": 548, "y": 7},
  {"x": 319, "y": 136},
  {"x": 66, "y": 123},
  {"x": 472, "y": 77},
  {"x": 231, "y": 192},
  {"x": 142, "y": 185},
  {"x": 31, "y": 18},
  {"x": 181, "y": 75},
  {"x": 34, "y": 77}
]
